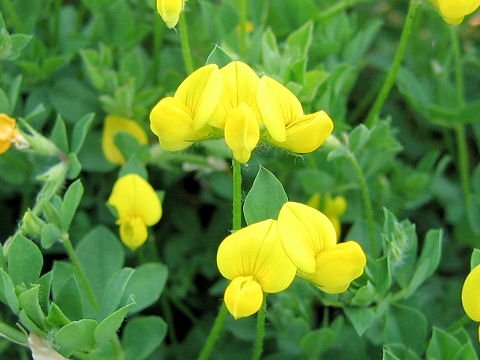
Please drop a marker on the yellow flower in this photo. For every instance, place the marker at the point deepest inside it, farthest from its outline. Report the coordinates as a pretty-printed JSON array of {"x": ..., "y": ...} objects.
[
  {"x": 254, "y": 259},
  {"x": 453, "y": 11},
  {"x": 137, "y": 205},
  {"x": 471, "y": 295},
  {"x": 113, "y": 125},
  {"x": 180, "y": 120},
  {"x": 170, "y": 10},
  {"x": 236, "y": 112},
  {"x": 8, "y": 132},
  {"x": 285, "y": 121},
  {"x": 309, "y": 239},
  {"x": 333, "y": 208}
]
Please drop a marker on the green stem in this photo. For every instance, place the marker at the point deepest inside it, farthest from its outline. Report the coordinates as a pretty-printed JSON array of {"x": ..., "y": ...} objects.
[
  {"x": 338, "y": 7},
  {"x": 367, "y": 204},
  {"x": 237, "y": 195},
  {"x": 167, "y": 311},
  {"x": 214, "y": 333},
  {"x": 459, "y": 323},
  {"x": 158, "y": 34},
  {"x": 462, "y": 151},
  {"x": 13, "y": 16},
  {"x": 79, "y": 271},
  {"x": 186, "y": 52},
  {"x": 236, "y": 225},
  {"x": 243, "y": 10},
  {"x": 392, "y": 74},
  {"x": 257, "y": 351}
]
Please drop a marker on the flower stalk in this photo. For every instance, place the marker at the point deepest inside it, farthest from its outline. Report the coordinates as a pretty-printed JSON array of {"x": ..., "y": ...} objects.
[{"x": 186, "y": 52}]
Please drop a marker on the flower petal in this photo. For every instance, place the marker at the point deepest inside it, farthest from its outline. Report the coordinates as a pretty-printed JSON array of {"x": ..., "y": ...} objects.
[
  {"x": 133, "y": 196},
  {"x": 304, "y": 232},
  {"x": 242, "y": 132},
  {"x": 278, "y": 107},
  {"x": 113, "y": 125},
  {"x": 471, "y": 294},
  {"x": 170, "y": 10},
  {"x": 243, "y": 297},
  {"x": 200, "y": 92},
  {"x": 8, "y": 132},
  {"x": 133, "y": 232},
  {"x": 337, "y": 267}
]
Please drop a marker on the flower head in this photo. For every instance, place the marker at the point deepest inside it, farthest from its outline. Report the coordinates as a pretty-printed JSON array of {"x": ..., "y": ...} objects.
[
  {"x": 114, "y": 125},
  {"x": 170, "y": 11},
  {"x": 333, "y": 208},
  {"x": 254, "y": 260},
  {"x": 453, "y": 11},
  {"x": 180, "y": 120},
  {"x": 471, "y": 295},
  {"x": 8, "y": 132},
  {"x": 309, "y": 239},
  {"x": 137, "y": 205},
  {"x": 285, "y": 121}
]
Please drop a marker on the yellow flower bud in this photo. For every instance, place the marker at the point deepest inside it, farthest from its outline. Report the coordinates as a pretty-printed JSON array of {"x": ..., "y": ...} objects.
[
  {"x": 137, "y": 205},
  {"x": 471, "y": 295},
  {"x": 453, "y": 11},
  {"x": 170, "y": 10},
  {"x": 254, "y": 259},
  {"x": 8, "y": 132},
  {"x": 113, "y": 125},
  {"x": 333, "y": 208}
]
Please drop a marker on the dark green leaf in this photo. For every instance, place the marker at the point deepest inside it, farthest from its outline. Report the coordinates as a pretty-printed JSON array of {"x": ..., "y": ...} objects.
[
  {"x": 110, "y": 325},
  {"x": 153, "y": 330},
  {"x": 80, "y": 131},
  {"x": 70, "y": 203},
  {"x": 25, "y": 261},
  {"x": 78, "y": 335}
]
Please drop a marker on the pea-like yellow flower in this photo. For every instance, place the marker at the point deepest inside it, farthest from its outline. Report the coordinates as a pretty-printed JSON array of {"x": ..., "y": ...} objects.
[
  {"x": 310, "y": 241},
  {"x": 137, "y": 205},
  {"x": 236, "y": 112},
  {"x": 8, "y": 132},
  {"x": 180, "y": 120},
  {"x": 453, "y": 11},
  {"x": 170, "y": 11},
  {"x": 471, "y": 295},
  {"x": 113, "y": 125},
  {"x": 254, "y": 259},
  {"x": 285, "y": 121},
  {"x": 333, "y": 208}
]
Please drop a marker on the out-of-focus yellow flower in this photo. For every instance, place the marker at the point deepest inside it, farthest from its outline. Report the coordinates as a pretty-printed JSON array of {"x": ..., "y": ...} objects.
[
  {"x": 137, "y": 205},
  {"x": 285, "y": 121},
  {"x": 254, "y": 259},
  {"x": 309, "y": 239},
  {"x": 236, "y": 112},
  {"x": 471, "y": 295},
  {"x": 170, "y": 11},
  {"x": 113, "y": 125},
  {"x": 8, "y": 132},
  {"x": 180, "y": 120},
  {"x": 333, "y": 208},
  {"x": 453, "y": 11}
]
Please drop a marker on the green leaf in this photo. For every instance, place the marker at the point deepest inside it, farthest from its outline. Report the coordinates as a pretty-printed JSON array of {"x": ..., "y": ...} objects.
[
  {"x": 29, "y": 324},
  {"x": 18, "y": 43},
  {"x": 475, "y": 259},
  {"x": 70, "y": 203},
  {"x": 360, "y": 317},
  {"x": 110, "y": 325},
  {"x": 114, "y": 291},
  {"x": 56, "y": 317},
  {"x": 14, "y": 92},
  {"x": 78, "y": 335},
  {"x": 428, "y": 261},
  {"x": 59, "y": 134},
  {"x": 80, "y": 131},
  {"x": 219, "y": 56},
  {"x": 402, "y": 351},
  {"x": 74, "y": 166},
  {"x": 442, "y": 346},
  {"x": 133, "y": 166},
  {"x": 388, "y": 355},
  {"x": 299, "y": 41},
  {"x": 69, "y": 298},
  {"x": 29, "y": 301},
  {"x": 466, "y": 352},
  {"x": 7, "y": 292},
  {"x": 146, "y": 285},
  {"x": 101, "y": 255},
  {"x": 44, "y": 293},
  {"x": 317, "y": 342},
  {"x": 153, "y": 330},
  {"x": 25, "y": 261},
  {"x": 358, "y": 137},
  {"x": 49, "y": 235},
  {"x": 265, "y": 198}
]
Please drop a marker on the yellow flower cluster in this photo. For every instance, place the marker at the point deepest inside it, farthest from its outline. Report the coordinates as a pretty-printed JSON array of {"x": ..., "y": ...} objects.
[
  {"x": 453, "y": 11},
  {"x": 246, "y": 108},
  {"x": 471, "y": 295},
  {"x": 266, "y": 256},
  {"x": 137, "y": 205},
  {"x": 170, "y": 11},
  {"x": 8, "y": 132}
]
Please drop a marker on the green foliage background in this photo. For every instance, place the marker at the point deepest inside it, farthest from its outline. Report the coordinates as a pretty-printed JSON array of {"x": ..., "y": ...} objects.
[{"x": 67, "y": 64}]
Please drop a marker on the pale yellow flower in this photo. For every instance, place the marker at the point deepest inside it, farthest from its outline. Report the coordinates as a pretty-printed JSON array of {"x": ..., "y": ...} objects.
[
  {"x": 453, "y": 11},
  {"x": 471, "y": 295},
  {"x": 113, "y": 125},
  {"x": 254, "y": 259},
  {"x": 137, "y": 205},
  {"x": 8, "y": 132},
  {"x": 170, "y": 11}
]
